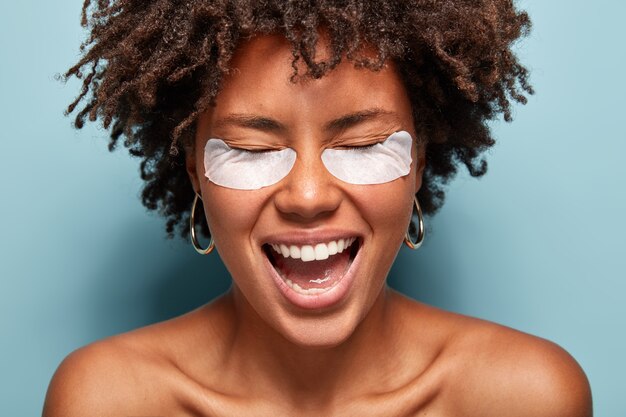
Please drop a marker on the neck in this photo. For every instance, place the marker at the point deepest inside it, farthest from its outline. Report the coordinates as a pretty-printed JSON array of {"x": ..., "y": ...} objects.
[{"x": 277, "y": 366}]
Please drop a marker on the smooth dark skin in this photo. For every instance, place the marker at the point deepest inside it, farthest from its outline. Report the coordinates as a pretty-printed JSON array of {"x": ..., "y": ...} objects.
[{"x": 250, "y": 352}]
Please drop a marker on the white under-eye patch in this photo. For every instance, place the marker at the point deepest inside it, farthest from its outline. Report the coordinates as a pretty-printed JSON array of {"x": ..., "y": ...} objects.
[
  {"x": 249, "y": 170},
  {"x": 245, "y": 170},
  {"x": 377, "y": 164}
]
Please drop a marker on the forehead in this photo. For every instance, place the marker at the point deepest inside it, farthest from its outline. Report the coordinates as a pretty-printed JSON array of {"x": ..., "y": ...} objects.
[{"x": 261, "y": 79}]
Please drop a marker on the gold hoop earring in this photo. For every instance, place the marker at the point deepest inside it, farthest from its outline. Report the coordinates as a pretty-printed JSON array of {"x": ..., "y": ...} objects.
[
  {"x": 419, "y": 229},
  {"x": 192, "y": 230}
]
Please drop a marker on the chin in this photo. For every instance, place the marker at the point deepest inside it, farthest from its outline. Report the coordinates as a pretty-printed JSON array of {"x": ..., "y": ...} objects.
[
  {"x": 335, "y": 291},
  {"x": 319, "y": 333}
]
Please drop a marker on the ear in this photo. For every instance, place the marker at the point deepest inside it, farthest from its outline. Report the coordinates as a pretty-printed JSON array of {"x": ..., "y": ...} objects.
[
  {"x": 191, "y": 167},
  {"x": 420, "y": 165}
]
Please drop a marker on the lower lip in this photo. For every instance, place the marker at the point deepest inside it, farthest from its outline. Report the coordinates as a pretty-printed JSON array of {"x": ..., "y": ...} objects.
[{"x": 327, "y": 299}]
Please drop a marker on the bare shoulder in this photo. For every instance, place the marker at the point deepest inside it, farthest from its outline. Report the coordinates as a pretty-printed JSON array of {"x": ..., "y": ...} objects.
[
  {"x": 93, "y": 379},
  {"x": 506, "y": 372},
  {"x": 131, "y": 373},
  {"x": 485, "y": 369},
  {"x": 149, "y": 371},
  {"x": 115, "y": 376}
]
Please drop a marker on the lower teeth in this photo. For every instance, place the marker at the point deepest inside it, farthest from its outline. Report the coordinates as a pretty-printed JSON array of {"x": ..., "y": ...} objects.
[
  {"x": 304, "y": 291},
  {"x": 319, "y": 280}
]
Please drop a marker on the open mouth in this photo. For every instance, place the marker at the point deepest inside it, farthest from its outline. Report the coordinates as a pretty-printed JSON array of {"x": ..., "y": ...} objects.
[{"x": 313, "y": 269}]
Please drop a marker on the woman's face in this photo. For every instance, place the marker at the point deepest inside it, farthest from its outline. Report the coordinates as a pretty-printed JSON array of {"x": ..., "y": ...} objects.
[{"x": 259, "y": 108}]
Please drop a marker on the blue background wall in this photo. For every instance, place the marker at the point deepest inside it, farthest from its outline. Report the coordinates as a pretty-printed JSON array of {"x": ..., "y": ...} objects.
[{"x": 538, "y": 244}]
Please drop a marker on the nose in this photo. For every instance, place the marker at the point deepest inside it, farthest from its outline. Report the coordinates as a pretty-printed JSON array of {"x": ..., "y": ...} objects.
[{"x": 309, "y": 192}]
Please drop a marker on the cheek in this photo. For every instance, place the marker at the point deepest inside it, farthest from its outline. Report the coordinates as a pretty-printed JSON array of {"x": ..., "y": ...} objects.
[
  {"x": 231, "y": 214},
  {"x": 387, "y": 208}
]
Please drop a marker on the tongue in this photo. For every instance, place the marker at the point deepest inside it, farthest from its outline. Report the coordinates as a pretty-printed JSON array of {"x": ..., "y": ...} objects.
[{"x": 314, "y": 274}]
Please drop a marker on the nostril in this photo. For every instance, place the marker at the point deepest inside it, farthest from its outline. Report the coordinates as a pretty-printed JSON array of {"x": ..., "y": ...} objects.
[
  {"x": 318, "y": 205},
  {"x": 308, "y": 202}
]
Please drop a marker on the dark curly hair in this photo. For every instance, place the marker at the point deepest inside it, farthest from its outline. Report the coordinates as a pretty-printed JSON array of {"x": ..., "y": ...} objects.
[{"x": 150, "y": 68}]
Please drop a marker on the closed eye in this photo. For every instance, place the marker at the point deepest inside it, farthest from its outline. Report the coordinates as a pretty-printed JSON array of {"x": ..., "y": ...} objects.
[
  {"x": 253, "y": 150},
  {"x": 356, "y": 147}
]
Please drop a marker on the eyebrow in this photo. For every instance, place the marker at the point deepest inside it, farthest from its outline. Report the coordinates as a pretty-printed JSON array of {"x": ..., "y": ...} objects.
[
  {"x": 251, "y": 121},
  {"x": 353, "y": 119},
  {"x": 267, "y": 124}
]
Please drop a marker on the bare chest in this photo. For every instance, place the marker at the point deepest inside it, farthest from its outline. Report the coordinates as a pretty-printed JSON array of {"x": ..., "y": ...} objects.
[{"x": 411, "y": 401}]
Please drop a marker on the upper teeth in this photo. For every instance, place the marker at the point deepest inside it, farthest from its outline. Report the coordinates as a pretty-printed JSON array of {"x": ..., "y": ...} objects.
[{"x": 316, "y": 252}]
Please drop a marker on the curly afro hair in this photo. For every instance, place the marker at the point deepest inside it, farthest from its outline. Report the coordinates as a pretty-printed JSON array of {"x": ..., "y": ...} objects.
[{"x": 150, "y": 68}]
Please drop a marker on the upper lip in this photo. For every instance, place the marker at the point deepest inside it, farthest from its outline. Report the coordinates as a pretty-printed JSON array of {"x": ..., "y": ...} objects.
[{"x": 300, "y": 237}]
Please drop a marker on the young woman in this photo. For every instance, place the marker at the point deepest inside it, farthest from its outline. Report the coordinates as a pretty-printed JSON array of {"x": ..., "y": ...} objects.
[{"x": 313, "y": 134}]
